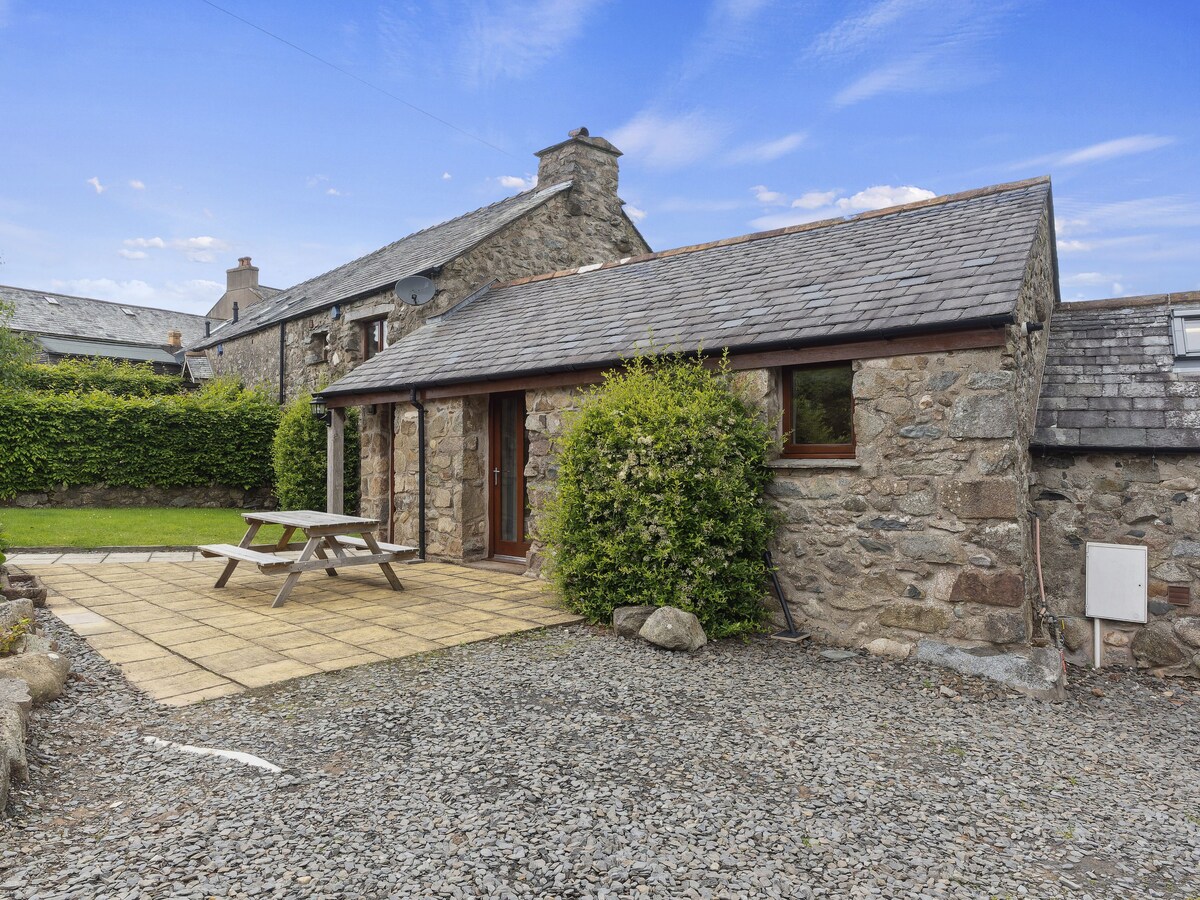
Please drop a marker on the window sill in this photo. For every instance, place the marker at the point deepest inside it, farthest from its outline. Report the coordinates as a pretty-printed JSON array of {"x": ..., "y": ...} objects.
[{"x": 798, "y": 463}]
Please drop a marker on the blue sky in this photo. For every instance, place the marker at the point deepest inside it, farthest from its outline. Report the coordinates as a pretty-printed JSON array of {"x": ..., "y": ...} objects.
[{"x": 147, "y": 145}]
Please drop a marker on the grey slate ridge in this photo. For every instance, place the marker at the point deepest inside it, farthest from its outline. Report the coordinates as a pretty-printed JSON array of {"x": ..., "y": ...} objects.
[
  {"x": 938, "y": 265},
  {"x": 412, "y": 255},
  {"x": 85, "y": 318},
  {"x": 1111, "y": 380}
]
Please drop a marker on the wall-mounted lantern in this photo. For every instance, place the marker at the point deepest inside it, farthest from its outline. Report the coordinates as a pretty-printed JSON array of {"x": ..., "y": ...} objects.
[
  {"x": 320, "y": 411},
  {"x": 336, "y": 312}
]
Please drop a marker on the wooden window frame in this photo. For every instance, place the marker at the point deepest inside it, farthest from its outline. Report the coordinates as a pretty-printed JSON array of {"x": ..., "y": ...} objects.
[
  {"x": 811, "y": 451},
  {"x": 374, "y": 327}
]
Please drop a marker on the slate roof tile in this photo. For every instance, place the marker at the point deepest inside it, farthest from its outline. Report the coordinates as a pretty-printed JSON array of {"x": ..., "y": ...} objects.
[
  {"x": 97, "y": 320},
  {"x": 1114, "y": 359},
  {"x": 411, "y": 255},
  {"x": 830, "y": 281}
]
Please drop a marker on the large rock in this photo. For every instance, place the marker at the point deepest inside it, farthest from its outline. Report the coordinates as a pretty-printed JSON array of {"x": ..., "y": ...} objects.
[
  {"x": 993, "y": 589},
  {"x": 627, "y": 621},
  {"x": 19, "y": 585},
  {"x": 1155, "y": 646},
  {"x": 1037, "y": 673},
  {"x": 45, "y": 673},
  {"x": 673, "y": 629},
  {"x": 15, "y": 692},
  {"x": 12, "y": 613},
  {"x": 14, "y": 723},
  {"x": 889, "y": 649},
  {"x": 1188, "y": 630}
]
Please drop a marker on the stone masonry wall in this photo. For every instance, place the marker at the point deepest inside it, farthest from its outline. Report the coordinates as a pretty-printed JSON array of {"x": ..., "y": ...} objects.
[
  {"x": 921, "y": 534},
  {"x": 1124, "y": 498},
  {"x": 102, "y": 495},
  {"x": 545, "y": 413}
]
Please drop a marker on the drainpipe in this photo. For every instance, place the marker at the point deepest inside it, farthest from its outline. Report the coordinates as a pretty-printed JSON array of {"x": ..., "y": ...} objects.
[
  {"x": 282, "y": 365},
  {"x": 420, "y": 408}
]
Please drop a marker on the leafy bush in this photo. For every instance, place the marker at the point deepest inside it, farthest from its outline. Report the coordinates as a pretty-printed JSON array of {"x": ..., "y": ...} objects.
[
  {"x": 4, "y": 544},
  {"x": 299, "y": 458},
  {"x": 112, "y": 377},
  {"x": 659, "y": 499},
  {"x": 16, "y": 351},
  {"x": 218, "y": 435}
]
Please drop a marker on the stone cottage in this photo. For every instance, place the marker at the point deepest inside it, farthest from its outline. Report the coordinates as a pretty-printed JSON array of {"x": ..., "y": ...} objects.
[
  {"x": 1116, "y": 458},
  {"x": 901, "y": 351},
  {"x": 312, "y": 333}
]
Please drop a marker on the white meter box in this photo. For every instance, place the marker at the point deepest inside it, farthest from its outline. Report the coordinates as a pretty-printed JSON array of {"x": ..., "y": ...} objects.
[{"x": 1116, "y": 582}]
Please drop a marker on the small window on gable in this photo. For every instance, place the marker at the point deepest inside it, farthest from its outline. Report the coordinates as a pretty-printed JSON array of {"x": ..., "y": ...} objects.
[
  {"x": 818, "y": 411},
  {"x": 374, "y": 337},
  {"x": 1185, "y": 333}
]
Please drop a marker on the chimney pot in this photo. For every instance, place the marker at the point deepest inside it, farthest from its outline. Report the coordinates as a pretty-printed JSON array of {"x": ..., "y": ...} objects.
[
  {"x": 207, "y": 328},
  {"x": 244, "y": 262},
  {"x": 174, "y": 339},
  {"x": 235, "y": 310}
]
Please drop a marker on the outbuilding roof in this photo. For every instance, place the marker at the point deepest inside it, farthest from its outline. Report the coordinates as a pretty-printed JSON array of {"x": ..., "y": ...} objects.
[
  {"x": 1112, "y": 379},
  {"x": 412, "y": 255},
  {"x": 942, "y": 264},
  {"x": 64, "y": 316}
]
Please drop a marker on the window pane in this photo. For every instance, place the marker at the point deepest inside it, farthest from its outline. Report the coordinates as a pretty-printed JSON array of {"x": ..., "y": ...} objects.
[
  {"x": 1191, "y": 336},
  {"x": 822, "y": 405}
]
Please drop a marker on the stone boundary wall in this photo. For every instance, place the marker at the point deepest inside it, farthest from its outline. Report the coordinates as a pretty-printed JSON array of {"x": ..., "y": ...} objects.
[
  {"x": 102, "y": 495},
  {"x": 1123, "y": 498}
]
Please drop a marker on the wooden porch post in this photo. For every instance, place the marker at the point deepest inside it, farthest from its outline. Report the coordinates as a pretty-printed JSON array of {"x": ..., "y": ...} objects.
[{"x": 336, "y": 461}]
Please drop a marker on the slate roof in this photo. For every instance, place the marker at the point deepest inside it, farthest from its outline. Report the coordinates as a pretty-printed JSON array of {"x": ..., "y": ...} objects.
[
  {"x": 97, "y": 320},
  {"x": 1111, "y": 379},
  {"x": 108, "y": 349},
  {"x": 412, "y": 255},
  {"x": 198, "y": 367},
  {"x": 941, "y": 264}
]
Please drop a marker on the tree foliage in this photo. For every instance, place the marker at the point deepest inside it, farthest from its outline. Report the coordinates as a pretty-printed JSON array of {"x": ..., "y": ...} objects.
[
  {"x": 300, "y": 455},
  {"x": 110, "y": 376},
  {"x": 17, "y": 352},
  {"x": 660, "y": 497}
]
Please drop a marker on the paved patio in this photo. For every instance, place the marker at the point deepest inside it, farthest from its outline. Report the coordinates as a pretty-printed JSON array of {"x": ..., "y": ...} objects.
[{"x": 180, "y": 640}]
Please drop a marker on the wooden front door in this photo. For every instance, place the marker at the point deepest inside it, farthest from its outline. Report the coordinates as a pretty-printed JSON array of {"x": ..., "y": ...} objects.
[{"x": 507, "y": 449}]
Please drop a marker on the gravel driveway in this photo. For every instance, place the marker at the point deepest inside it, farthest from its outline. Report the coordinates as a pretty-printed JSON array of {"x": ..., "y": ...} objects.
[{"x": 569, "y": 764}]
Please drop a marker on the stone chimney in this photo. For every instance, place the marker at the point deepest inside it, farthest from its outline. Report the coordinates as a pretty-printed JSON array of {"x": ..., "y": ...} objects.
[
  {"x": 175, "y": 339},
  {"x": 590, "y": 163},
  {"x": 241, "y": 290},
  {"x": 243, "y": 277}
]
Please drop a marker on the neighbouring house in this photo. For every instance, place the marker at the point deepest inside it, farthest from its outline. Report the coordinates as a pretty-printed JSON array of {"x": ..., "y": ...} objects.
[
  {"x": 901, "y": 352},
  {"x": 1116, "y": 459},
  {"x": 242, "y": 290},
  {"x": 66, "y": 327},
  {"x": 318, "y": 330}
]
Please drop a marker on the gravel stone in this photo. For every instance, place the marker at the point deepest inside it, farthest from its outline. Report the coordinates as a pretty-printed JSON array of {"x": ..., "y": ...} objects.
[{"x": 564, "y": 764}]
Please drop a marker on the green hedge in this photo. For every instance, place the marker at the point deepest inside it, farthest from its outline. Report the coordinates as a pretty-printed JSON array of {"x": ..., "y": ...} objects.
[
  {"x": 219, "y": 435},
  {"x": 83, "y": 375},
  {"x": 660, "y": 497},
  {"x": 300, "y": 453}
]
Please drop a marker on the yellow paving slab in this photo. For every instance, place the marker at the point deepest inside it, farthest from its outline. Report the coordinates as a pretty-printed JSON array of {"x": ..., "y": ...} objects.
[{"x": 182, "y": 641}]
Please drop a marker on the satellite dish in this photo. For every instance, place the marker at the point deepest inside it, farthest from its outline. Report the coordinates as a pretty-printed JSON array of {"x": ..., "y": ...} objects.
[{"x": 415, "y": 290}]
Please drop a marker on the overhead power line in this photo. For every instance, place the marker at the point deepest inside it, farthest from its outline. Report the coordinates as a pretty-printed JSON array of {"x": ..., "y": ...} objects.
[{"x": 362, "y": 81}]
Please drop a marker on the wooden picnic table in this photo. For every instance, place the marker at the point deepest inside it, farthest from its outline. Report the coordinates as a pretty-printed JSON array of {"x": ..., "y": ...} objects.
[{"x": 328, "y": 536}]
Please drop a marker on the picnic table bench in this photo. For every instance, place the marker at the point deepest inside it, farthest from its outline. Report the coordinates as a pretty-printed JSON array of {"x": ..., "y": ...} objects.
[{"x": 328, "y": 537}]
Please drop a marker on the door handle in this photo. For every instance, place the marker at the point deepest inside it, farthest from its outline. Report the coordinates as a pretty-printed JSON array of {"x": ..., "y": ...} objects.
[{"x": 496, "y": 476}]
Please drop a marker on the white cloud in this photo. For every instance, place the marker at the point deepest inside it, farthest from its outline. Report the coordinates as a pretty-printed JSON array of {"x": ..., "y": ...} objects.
[
  {"x": 137, "y": 185},
  {"x": 513, "y": 38},
  {"x": 882, "y": 196},
  {"x": 202, "y": 249},
  {"x": 767, "y": 151},
  {"x": 1087, "y": 278},
  {"x": 95, "y": 183},
  {"x": 515, "y": 182},
  {"x": 156, "y": 242},
  {"x": 446, "y": 176},
  {"x": 1105, "y": 150},
  {"x": 1073, "y": 246},
  {"x": 132, "y": 254},
  {"x": 853, "y": 33},
  {"x": 764, "y": 194},
  {"x": 814, "y": 199},
  {"x": 195, "y": 295},
  {"x": 334, "y": 192},
  {"x": 669, "y": 142},
  {"x": 634, "y": 212},
  {"x": 817, "y": 205}
]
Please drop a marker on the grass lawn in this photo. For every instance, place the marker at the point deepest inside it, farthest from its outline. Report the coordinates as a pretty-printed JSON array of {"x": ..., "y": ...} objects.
[{"x": 143, "y": 527}]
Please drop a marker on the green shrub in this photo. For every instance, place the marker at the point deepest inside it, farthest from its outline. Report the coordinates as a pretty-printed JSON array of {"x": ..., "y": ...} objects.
[
  {"x": 16, "y": 351},
  {"x": 299, "y": 458},
  {"x": 660, "y": 497},
  {"x": 4, "y": 544},
  {"x": 110, "y": 376},
  {"x": 218, "y": 435}
]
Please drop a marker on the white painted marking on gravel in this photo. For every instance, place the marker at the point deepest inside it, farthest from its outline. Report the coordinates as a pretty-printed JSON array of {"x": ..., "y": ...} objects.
[{"x": 235, "y": 755}]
